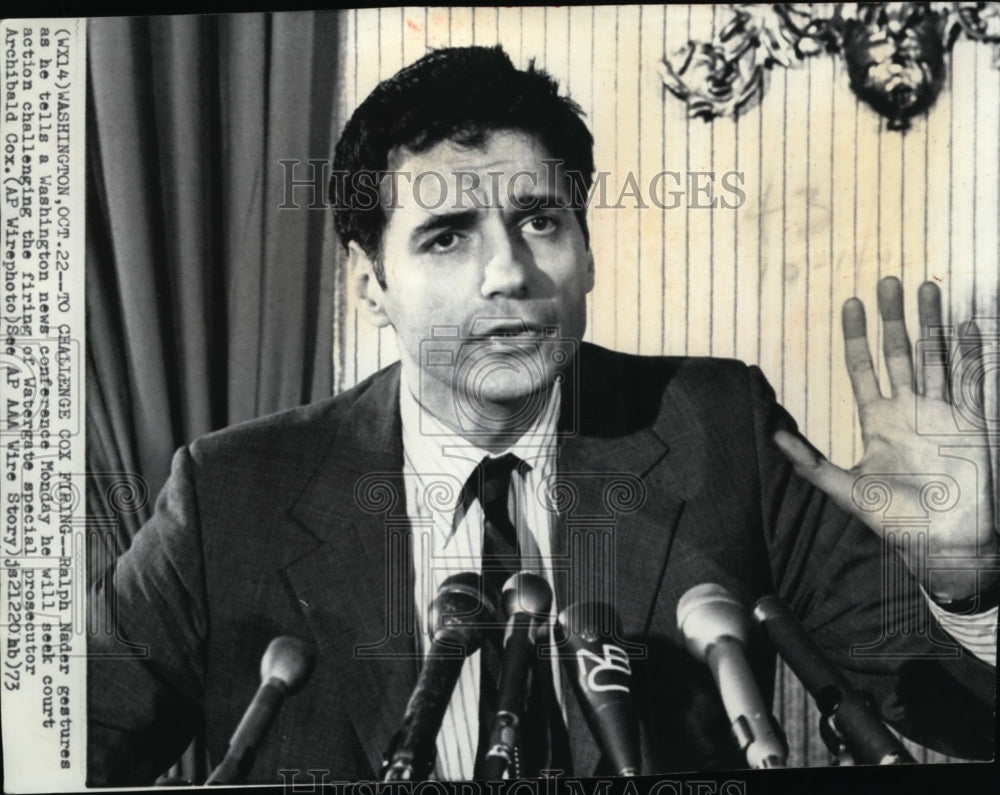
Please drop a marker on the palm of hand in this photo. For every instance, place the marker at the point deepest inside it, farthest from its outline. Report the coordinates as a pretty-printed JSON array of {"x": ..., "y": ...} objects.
[
  {"x": 926, "y": 461},
  {"x": 932, "y": 474}
]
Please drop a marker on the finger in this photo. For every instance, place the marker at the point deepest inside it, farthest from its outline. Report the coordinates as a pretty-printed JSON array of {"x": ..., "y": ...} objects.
[
  {"x": 813, "y": 466},
  {"x": 933, "y": 364},
  {"x": 895, "y": 341},
  {"x": 967, "y": 376},
  {"x": 857, "y": 355}
]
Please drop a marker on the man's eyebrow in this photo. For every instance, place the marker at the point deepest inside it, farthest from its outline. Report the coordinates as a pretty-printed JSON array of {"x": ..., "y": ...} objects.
[
  {"x": 538, "y": 198},
  {"x": 459, "y": 219}
]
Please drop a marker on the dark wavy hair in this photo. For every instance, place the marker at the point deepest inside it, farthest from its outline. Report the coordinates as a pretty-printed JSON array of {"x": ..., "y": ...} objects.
[{"x": 460, "y": 94}]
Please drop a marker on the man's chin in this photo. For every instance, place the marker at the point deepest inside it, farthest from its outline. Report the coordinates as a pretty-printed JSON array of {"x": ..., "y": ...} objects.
[
  {"x": 505, "y": 400},
  {"x": 502, "y": 372}
]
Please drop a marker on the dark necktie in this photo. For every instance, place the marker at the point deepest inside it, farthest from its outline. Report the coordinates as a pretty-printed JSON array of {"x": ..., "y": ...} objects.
[
  {"x": 490, "y": 484},
  {"x": 501, "y": 553},
  {"x": 544, "y": 743}
]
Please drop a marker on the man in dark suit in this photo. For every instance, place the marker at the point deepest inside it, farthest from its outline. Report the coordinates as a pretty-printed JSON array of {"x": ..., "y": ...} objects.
[{"x": 678, "y": 471}]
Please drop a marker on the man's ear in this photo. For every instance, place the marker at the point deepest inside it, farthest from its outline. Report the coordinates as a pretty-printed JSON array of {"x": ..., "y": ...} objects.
[{"x": 368, "y": 291}]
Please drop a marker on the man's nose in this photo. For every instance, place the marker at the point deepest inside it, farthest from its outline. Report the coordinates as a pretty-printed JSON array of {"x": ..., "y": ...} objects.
[{"x": 508, "y": 262}]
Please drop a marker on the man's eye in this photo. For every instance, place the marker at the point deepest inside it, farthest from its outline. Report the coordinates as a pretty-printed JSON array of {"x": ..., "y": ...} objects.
[
  {"x": 542, "y": 224},
  {"x": 446, "y": 241}
]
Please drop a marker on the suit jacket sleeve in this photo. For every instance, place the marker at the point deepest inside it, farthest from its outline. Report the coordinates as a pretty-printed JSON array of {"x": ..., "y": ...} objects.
[
  {"x": 144, "y": 698},
  {"x": 859, "y": 601}
]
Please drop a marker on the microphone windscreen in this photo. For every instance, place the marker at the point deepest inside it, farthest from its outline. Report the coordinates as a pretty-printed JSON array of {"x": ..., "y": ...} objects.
[
  {"x": 288, "y": 660},
  {"x": 465, "y": 605},
  {"x": 708, "y": 612},
  {"x": 526, "y": 592}
]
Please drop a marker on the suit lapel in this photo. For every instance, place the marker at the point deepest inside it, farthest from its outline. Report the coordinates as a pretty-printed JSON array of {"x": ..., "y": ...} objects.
[
  {"x": 617, "y": 530},
  {"x": 355, "y": 585}
]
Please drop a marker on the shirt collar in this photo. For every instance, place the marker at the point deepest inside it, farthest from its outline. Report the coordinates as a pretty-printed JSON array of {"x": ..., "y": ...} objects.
[{"x": 430, "y": 446}]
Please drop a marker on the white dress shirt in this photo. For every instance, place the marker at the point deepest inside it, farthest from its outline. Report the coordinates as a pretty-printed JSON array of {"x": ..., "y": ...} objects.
[
  {"x": 977, "y": 632},
  {"x": 448, "y": 540}
]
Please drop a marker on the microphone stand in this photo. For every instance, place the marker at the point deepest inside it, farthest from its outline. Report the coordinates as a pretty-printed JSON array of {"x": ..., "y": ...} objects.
[
  {"x": 503, "y": 758},
  {"x": 849, "y": 726},
  {"x": 503, "y": 761},
  {"x": 828, "y": 701},
  {"x": 526, "y": 600}
]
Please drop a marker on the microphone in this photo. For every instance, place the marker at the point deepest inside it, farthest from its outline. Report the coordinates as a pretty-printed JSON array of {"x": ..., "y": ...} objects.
[
  {"x": 716, "y": 627},
  {"x": 854, "y": 722},
  {"x": 526, "y": 601},
  {"x": 602, "y": 678},
  {"x": 284, "y": 669},
  {"x": 465, "y": 605}
]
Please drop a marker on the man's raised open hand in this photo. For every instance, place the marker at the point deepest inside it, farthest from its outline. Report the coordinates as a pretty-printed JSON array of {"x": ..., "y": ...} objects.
[{"x": 926, "y": 445}]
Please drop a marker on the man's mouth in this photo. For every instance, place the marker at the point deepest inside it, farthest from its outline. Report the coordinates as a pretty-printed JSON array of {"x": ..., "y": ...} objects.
[
  {"x": 506, "y": 335},
  {"x": 511, "y": 330}
]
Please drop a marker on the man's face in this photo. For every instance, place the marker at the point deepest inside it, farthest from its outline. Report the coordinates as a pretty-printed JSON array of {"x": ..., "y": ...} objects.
[{"x": 470, "y": 261}]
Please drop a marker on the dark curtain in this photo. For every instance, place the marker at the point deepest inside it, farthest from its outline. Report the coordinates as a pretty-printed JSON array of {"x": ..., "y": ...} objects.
[
  {"x": 208, "y": 303},
  {"x": 209, "y": 298}
]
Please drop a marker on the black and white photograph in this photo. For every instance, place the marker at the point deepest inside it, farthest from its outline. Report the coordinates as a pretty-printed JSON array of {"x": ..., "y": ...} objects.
[{"x": 579, "y": 396}]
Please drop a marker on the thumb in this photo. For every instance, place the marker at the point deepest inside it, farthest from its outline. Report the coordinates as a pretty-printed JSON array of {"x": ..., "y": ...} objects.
[{"x": 813, "y": 466}]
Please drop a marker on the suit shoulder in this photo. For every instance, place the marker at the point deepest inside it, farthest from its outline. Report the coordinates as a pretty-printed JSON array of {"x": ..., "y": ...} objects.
[
  {"x": 692, "y": 375},
  {"x": 292, "y": 431},
  {"x": 671, "y": 394}
]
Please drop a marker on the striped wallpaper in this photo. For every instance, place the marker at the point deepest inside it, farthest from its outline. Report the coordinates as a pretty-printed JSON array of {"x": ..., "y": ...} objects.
[{"x": 834, "y": 201}]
